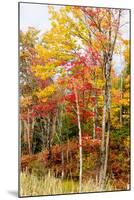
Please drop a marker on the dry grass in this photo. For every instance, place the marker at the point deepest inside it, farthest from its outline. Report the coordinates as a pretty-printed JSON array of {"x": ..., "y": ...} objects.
[
  {"x": 93, "y": 186},
  {"x": 31, "y": 185}
]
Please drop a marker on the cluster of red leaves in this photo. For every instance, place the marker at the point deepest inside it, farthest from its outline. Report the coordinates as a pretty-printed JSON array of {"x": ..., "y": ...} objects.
[
  {"x": 70, "y": 97},
  {"x": 43, "y": 109},
  {"x": 86, "y": 114},
  {"x": 86, "y": 86},
  {"x": 98, "y": 130},
  {"x": 90, "y": 145},
  {"x": 40, "y": 110}
]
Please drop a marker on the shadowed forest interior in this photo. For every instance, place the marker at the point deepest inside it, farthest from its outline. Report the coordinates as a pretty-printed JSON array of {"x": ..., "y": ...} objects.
[{"x": 74, "y": 117}]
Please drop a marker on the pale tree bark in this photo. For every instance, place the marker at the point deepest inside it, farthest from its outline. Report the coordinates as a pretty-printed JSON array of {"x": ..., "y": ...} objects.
[
  {"x": 28, "y": 133},
  {"x": 107, "y": 103},
  {"x": 103, "y": 140},
  {"x": 95, "y": 110},
  {"x": 108, "y": 131},
  {"x": 60, "y": 124},
  {"x": 105, "y": 144},
  {"x": 62, "y": 162},
  {"x": 80, "y": 138}
]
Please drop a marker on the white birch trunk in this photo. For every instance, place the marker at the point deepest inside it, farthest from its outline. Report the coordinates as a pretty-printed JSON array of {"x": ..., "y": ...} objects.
[{"x": 80, "y": 139}]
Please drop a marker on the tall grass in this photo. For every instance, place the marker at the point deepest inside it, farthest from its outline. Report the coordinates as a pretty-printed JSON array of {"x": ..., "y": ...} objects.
[{"x": 31, "y": 185}]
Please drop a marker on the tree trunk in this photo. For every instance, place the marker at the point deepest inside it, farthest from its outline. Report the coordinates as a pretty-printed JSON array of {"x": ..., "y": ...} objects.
[
  {"x": 27, "y": 125},
  {"x": 95, "y": 108},
  {"x": 108, "y": 131},
  {"x": 103, "y": 137},
  {"x": 46, "y": 133},
  {"x": 49, "y": 138},
  {"x": 94, "y": 124},
  {"x": 80, "y": 139},
  {"x": 61, "y": 139},
  {"x": 32, "y": 130},
  {"x": 107, "y": 101},
  {"x": 53, "y": 127},
  {"x": 106, "y": 113},
  {"x": 62, "y": 163},
  {"x": 95, "y": 117},
  {"x": 67, "y": 150},
  {"x": 121, "y": 90}
]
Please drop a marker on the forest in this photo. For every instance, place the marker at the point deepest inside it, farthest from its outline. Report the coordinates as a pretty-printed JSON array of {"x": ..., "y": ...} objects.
[{"x": 74, "y": 103}]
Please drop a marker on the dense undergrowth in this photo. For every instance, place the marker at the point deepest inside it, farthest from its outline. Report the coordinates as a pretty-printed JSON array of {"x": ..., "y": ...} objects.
[{"x": 37, "y": 167}]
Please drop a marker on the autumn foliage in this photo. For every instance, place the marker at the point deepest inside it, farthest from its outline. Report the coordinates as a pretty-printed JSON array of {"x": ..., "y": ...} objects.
[{"x": 74, "y": 102}]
